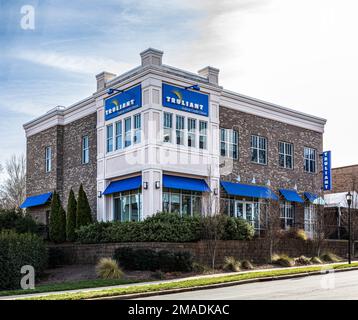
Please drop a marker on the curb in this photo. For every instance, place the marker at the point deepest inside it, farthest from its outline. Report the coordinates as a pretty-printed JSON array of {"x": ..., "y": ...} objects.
[{"x": 221, "y": 285}]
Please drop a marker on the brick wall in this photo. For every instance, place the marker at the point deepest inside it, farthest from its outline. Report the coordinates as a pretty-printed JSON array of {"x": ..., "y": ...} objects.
[
  {"x": 256, "y": 250},
  {"x": 344, "y": 179}
]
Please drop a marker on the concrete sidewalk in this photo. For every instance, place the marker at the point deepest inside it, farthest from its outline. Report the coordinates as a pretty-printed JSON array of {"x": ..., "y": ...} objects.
[{"x": 30, "y": 295}]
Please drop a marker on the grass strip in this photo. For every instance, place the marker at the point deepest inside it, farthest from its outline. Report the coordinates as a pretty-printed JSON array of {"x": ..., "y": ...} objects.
[{"x": 187, "y": 283}]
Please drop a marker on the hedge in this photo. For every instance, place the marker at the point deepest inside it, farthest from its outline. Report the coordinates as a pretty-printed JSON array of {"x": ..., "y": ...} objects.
[
  {"x": 162, "y": 227},
  {"x": 17, "y": 221},
  {"x": 146, "y": 259},
  {"x": 17, "y": 250}
]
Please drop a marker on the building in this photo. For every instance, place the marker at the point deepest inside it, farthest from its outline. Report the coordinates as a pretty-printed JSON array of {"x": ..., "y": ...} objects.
[{"x": 158, "y": 138}]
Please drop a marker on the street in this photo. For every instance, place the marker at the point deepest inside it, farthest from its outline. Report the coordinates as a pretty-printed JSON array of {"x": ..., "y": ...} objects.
[{"x": 343, "y": 285}]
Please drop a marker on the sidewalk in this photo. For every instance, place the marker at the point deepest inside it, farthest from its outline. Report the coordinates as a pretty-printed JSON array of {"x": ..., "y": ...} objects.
[{"x": 160, "y": 282}]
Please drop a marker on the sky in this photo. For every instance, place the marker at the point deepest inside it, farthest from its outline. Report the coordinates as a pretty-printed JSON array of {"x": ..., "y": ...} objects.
[{"x": 300, "y": 54}]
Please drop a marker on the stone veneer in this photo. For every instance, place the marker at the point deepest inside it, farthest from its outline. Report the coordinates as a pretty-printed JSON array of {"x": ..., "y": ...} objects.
[
  {"x": 67, "y": 169},
  {"x": 344, "y": 179}
]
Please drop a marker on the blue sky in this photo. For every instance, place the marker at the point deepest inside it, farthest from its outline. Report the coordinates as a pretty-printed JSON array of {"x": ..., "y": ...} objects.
[{"x": 297, "y": 53}]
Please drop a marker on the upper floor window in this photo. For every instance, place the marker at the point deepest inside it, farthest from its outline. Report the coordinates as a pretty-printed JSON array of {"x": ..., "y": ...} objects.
[
  {"x": 229, "y": 143},
  {"x": 127, "y": 132},
  {"x": 203, "y": 135},
  {"x": 110, "y": 138},
  {"x": 48, "y": 156},
  {"x": 191, "y": 132},
  {"x": 85, "y": 150},
  {"x": 285, "y": 155},
  {"x": 258, "y": 149},
  {"x": 167, "y": 126},
  {"x": 119, "y": 135},
  {"x": 179, "y": 130},
  {"x": 137, "y": 128},
  {"x": 310, "y": 160}
]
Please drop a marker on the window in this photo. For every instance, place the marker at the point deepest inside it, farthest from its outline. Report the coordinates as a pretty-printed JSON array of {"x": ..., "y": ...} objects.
[
  {"x": 203, "y": 132},
  {"x": 229, "y": 143},
  {"x": 137, "y": 128},
  {"x": 182, "y": 202},
  {"x": 310, "y": 160},
  {"x": 127, "y": 206},
  {"x": 287, "y": 215},
  {"x": 258, "y": 149},
  {"x": 110, "y": 138},
  {"x": 85, "y": 150},
  {"x": 310, "y": 219},
  {"x": 179, "y": 130},
  {"x": 127, "y": 132},
  {"x": 285, "y": 155},
  {"x": 119, "y": 143},
  {"x": 167, "y": 126},
  {"x": 191, "y": 132},
  {"x": 48, "y": 156}
]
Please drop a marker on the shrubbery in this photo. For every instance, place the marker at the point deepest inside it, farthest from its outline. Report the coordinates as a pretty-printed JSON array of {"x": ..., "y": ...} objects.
[
  {"x": 162, "y": 227},
  {"x": 146, "y": 259},
  {"x": 17, "y": 250},
  {"x": 12, "y": 220}
]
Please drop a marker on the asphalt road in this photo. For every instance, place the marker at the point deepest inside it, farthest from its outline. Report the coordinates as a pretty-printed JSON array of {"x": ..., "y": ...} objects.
[{"x": 340, "y": 286}]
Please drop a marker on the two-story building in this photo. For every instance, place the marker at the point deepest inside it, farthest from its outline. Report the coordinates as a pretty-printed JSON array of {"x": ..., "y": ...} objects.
[{"x": 158, "y": 138}]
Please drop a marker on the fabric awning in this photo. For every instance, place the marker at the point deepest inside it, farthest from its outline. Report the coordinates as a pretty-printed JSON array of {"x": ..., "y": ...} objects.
[
  {"x": 311, "y": 197},
  {"x": 291, "y": 195},
  {"x": 124, "y": 185},
  {"x": 184, "y": 183},
  {"x": 35, "y": 201},
  {"x": 246, "y": 190}
]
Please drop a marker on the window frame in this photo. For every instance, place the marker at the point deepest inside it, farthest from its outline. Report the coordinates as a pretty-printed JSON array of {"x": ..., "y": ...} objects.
[
  {"x": 310, "y": 161},
  {"x": 127, "y": 133},
  {"x": 48, "y": 159},
  {"x": 286, "y": 155},
  {"x": 285, "y": 208},
  {"x": 85, "y": 150},
  {"x": 180, "y": 130},
  {"x": 229, "y": 138},
  {"x": 191, "y": 132},
  {"x": 203, "y": 135},
  {"x": 137, "y": 127},
  {"x": 109, "y": 139},
  {"x": 258, "y": 149}
]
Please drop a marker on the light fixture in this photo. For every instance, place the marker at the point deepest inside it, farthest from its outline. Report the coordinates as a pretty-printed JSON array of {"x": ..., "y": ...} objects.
[
  {"x": 145, "y": 185},
  {"x": 157, "y": 184},
  {"x": 238, "y": 178},
  {"x": 216, "y": 191},
  {"x": 295, "y": 187},
  {"x": 253, "y": 180},
  {"x": 99, "y": 194},
  {"x": 349, "y": 198},
  {"x": 269, "y": 182},
  {"x": 112, "y": 90},
  {"x": 194, "y": 87}
]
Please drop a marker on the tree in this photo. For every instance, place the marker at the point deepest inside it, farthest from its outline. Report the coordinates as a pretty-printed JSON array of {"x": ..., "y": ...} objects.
[
  {"x": 83, "y": 212},
  {"x": 12, "y": 190},
  {"x": 71, "y": 217},
  {"x": 273, "y": 224},
  {"x": 57, "y": 224}
]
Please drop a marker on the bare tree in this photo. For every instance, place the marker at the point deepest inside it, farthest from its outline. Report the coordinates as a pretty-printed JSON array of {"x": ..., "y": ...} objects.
[
  {"x": 12, "y": 190},
  {"x": 272, "y": 224},
  {"x": 319, "y": 229}
]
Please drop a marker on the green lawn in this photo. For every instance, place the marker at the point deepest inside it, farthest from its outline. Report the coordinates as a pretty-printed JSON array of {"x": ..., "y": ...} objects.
[
  {"x": 70, "y": 286},
  {"x": 185, "y": 283}
]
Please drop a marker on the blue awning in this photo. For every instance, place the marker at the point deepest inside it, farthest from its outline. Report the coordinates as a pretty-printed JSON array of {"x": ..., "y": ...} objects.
[
  {"x": 311, "y": 197},
  {"x": 247, "y": 190},
  {"x": 124, "y": 185},
  {"x": 35, "y": 201},
  {"x": 291, "y": 195},
  {"x": 184, "y": 183}
]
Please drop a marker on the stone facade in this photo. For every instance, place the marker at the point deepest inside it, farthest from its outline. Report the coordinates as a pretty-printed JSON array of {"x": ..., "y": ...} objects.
[
  {"x": 67, "y": 169},
  {"x": 344, "y": 179}
]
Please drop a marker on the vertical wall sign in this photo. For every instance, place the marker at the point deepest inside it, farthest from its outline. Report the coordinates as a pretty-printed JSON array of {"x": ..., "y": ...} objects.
[
  {"x": 327, "y": 170},
  {"x": 123, "y": 102},
  {"x": 185, "y": 100}
]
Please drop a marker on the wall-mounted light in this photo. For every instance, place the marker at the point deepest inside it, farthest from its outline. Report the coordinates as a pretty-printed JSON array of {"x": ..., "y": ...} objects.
[
  {"x": 145, "y": 185},
  {"x": 295, "y": 187},
  {"x": 253, "y": 180},
  {"x": 99, "y": 194},
  {"x": 269, "y": 182},
  {"x": 216, "y": 191},
  {"x": 157, "y": 184},
  {"x": 112, "y": 90},
  {"x": 194, "y": 87},
  {"x": 238, "y": 178}
]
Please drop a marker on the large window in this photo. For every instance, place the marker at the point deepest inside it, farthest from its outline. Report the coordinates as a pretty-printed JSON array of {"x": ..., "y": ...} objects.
[
  {"x": 179, "y": 129},
  {"x": 127, "y": 206},
  {"x": 85, "y": 150},
  {"x": 258, "y": 149},
  {"x": 137, "y": 128},
  {"x": 285, "y": 155},
  {"x": 310, "y": 219},
  {"x": 287, "y": 215},
  {"x": 191, "y": 132},
  {"x": 119, "y": 135},
  {"x": 203, "y": 135},
  {"x": 127, "y": 132},
  {"x": 48, "y": 156},
  {"x": 167, "y": 126},
  {"x": 183, "y": 202},
  {"x": 229, "y": 143},
  {"x": 110, "y": 138},
  {"x": 310, "y": 160}
]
